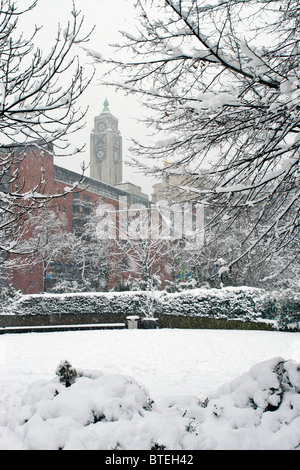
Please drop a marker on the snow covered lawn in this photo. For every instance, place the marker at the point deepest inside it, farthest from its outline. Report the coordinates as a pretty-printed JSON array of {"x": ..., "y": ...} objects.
[{"x": 148, "y": 388}]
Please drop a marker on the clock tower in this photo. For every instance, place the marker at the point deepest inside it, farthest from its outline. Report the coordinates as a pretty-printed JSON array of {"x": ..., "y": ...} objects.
[{"x": 106, "y": 148}]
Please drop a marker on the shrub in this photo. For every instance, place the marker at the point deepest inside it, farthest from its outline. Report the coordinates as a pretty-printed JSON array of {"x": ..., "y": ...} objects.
[
  {"x": 232, "y": 303},
  {"x": 8, "y": 296},
  {"x": 66, "y": 373}
]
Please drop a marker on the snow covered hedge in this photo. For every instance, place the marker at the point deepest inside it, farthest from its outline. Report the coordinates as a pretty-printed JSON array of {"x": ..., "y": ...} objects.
[
  {"x": 259, "y": 410},
  {"x": 284, "y": 306},
  {"x": 231, "y": 303}
]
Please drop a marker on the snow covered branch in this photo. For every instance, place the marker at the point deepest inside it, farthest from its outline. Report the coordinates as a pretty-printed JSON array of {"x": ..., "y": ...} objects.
[
  {"x": 39, "y": 93},
  {"x": 223, "y": 79}
]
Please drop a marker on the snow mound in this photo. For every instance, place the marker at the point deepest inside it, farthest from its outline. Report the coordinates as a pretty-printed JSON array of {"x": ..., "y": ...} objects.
[
  {"x": 54, "y": 415},
  {"x": 259, "y": 410}
]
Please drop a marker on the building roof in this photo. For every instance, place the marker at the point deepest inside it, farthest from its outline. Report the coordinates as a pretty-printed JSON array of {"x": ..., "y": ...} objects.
[{"x": 90, "y": 184}]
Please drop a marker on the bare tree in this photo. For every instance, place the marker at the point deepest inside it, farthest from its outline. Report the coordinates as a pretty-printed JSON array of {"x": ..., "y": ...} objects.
[
  {"x": 45, "y": 243},
  {"x": 146, "y": 243},
  {"x": 39, "y": 92},
  {"x": 221, "y": 82},
  {"x": 92, "y": 255}
]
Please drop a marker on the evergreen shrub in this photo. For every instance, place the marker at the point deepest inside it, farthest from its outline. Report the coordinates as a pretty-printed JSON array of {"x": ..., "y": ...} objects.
[{"x": 243, "y": 304}]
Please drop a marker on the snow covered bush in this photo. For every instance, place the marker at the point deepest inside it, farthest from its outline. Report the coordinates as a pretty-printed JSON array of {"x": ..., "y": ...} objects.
[
  {"x": 230, "y": 302},
  {"x": 66, "y": 373},
  {"x": 258, "y": 410},
  {"x": 8, "y": 297},
  {"x": 53, "y": 416},
  {"x": 66, "y": 286},
  {"x": 288, "y": 310},
  {"x": 246, "y": 304},
  {"x": 81, "y": 303},
  {"x": 136, "y": 284}
]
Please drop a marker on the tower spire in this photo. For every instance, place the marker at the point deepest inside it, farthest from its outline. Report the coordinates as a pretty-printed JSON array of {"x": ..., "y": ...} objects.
[{"x": 106, "y": 108}]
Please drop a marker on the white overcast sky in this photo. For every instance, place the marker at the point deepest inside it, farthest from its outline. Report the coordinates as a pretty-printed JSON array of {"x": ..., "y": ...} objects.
[{"x": 109, "y": 17}]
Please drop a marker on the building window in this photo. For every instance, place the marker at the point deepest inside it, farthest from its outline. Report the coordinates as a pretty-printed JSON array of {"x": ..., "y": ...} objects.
[
  {"x": 58, "y": 207},
  {"x": 31, "y": 284}
]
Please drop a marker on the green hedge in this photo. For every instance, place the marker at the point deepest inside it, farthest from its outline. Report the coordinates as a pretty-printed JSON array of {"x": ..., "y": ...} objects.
[{"x": 242, "y": 304}]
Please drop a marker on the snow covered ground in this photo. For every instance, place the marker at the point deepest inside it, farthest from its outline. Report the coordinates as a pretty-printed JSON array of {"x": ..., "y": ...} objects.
[{"x": 174, "y": 371}]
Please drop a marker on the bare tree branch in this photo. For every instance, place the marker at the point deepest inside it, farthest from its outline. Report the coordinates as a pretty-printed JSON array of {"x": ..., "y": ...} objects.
[
  {"x": 221, "y": 81},
  {"x": 39, "y": 95}
]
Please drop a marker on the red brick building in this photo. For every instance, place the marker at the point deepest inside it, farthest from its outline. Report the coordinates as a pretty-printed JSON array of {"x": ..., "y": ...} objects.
[{"x": 72, "y": 207}]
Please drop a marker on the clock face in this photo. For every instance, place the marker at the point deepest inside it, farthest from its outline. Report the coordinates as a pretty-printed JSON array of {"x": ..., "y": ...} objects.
[
  {"x": 101, "y": 126},
  {"x": 100, "y": 154}
]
